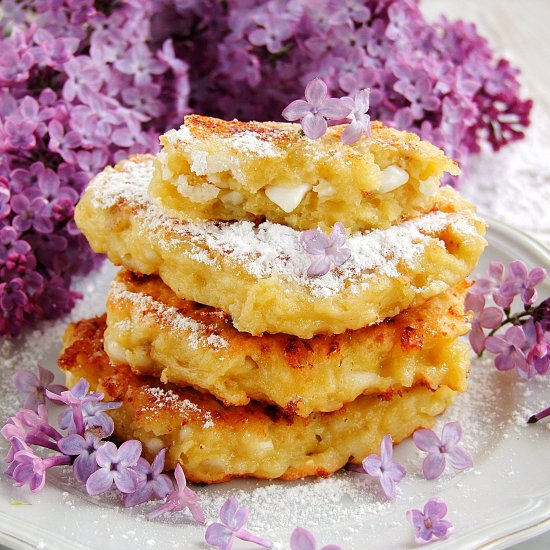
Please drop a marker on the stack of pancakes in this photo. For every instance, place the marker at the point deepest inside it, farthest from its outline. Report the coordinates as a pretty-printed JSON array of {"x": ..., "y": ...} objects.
[{"x": 218, "y": 344}]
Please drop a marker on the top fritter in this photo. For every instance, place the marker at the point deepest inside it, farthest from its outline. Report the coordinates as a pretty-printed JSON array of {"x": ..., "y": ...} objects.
[{"x": 214, "y": 169}]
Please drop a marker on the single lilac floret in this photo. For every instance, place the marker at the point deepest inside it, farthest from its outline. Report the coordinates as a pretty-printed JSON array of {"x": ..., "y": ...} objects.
[
  {"x": 33, "y": 387},
  {"x": 154, "y": 482},
  {"x": 16, "y": 444},
  {"x": 359, "y": 120},
  {"x": 490, "y": 317},
  {"x": 40, "y": 431},
  {"x": 180, "y": 498},
  {"x": 115, "y": 465},
  {"x": 302, "y": 539},
  {"x": 325, "y": 250},
  {"x": 509, "y": 351},
  {"x": 85, "y": 449},
  {"x": 492, "y": 285},
  {"x": 522, "y": 282},
  {"x": 31, "y": 468},
  {"x": 429, "y": 523},
  {"x": 537, "y": 348},
  {"x": 93, "y": 416},
  {"x": 316, "y": 109},
  {"x": 442, "y": 450},
  {"x": 233, "y": 518},
  {"x": 75, "y": 398},
  {"x": 382, "y": 466}
]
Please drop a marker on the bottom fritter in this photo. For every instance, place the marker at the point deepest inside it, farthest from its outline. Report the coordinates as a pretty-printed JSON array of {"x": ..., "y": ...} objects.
[{"x": 215, "y": 443}]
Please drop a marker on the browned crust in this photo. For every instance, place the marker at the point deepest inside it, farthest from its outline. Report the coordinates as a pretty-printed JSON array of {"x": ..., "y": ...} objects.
[
  {"x": 283, "y": 134},
  {"x": 433, "y": 320}
]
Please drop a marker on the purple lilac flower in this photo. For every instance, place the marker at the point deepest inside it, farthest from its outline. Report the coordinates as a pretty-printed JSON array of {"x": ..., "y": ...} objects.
[
  {"x": 302, "y": 539},
  {"x": 272, "y": 30},
  {"x": 38, "y": 421},
  {"x": 382, "y": 466},
  {"x": 154, "y": 481},
  {"x": 522, "y": 282},
  {"x": 325, "y": 250},
  {"x": 442, "y": 450},
  {"x": 16, "y": 444},
  {"x": 33, "y": 428},
  {"x": 490, "y": 317},
  {"x": 429, "y": 523},
  {"x": 180, "y": 498},
  {"x": 491, "y": 284},
  {"x": 233, "y": 518},
  {"x": 85, "y": 449},
  {"x": 359, "y": 120},
  {"x": 509, "y": 350},
  {"x": 31, "y": 468},
  {"x": 316, "y": 109},
  {"x": 536, "y": 348},
  {"x": 75, "y": 398},
  {"x": 93, "y": 416},
  {"x": 115, "y": 465},
  {"x": 33, "y": 387}
]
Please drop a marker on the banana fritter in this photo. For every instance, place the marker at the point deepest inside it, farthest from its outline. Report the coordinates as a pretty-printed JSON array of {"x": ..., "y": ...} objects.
[
  {"x": 215, "y": 443},
  {"x": 257, "y": 274},
  {"x": 215, "y": 169},
  {"x": 185, "y": 343}
]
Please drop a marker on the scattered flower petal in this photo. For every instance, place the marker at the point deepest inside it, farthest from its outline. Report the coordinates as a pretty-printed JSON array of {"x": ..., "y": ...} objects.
[
  {"x": 382, "y": 466},
  {"x": 316, "y": 109},
  {"x": 302, "y": 539},
  {"x": 233, "y": 518},
  {"x": 441, "y": 450},
  {"x": 180, "y": 498},
  {"x": 429, "y": 523},
  {"x": 325, "y": 250}
]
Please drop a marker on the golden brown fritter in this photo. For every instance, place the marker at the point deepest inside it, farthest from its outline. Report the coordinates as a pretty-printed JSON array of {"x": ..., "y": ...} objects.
[
  {"x": 232, "y": 170},
  {"x": 215, "y": 443},
  {"x": 188, "y": 344},
  {"x": 257, "y": 274}
]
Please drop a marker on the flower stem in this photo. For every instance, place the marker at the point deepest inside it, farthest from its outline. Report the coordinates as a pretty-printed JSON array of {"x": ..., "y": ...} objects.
[
  {"x": 78, "y": 419},
  {"x": 513, "y": 319},
  {"x": 539, "y": 416},
  {"x": 41, "y": 442},
  {"x": 61, "y": 460}
]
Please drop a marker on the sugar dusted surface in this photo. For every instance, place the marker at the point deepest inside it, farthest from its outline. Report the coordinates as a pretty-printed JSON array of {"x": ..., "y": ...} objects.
[
  {"x": 272, "y": 249},
  {"x": 197, "y": 334},
  {"x": 162, "y": 398}
]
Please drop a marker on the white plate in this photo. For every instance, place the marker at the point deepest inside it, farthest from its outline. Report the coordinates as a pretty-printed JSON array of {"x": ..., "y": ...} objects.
[{"x": 504, "y": 499}]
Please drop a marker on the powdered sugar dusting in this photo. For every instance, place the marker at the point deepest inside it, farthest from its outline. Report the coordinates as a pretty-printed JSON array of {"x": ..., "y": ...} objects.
[
  {"x": 250, "y": 144},
  {"x": 165, "y": 398},
  {"x": 273, "y": 250},
  {"x": 197, "y": 334},
  {"x": 246, "y": 142}
]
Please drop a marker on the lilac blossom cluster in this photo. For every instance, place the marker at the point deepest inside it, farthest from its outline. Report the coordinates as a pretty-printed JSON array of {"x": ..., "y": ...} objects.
[
  {"x": 439, "y": 80},
  {"x": 85, "y": 83},
  {"x": 80, "y": 87},
  {"x": 525, "y": 344},
  {"x": 82, "y": 443}
]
